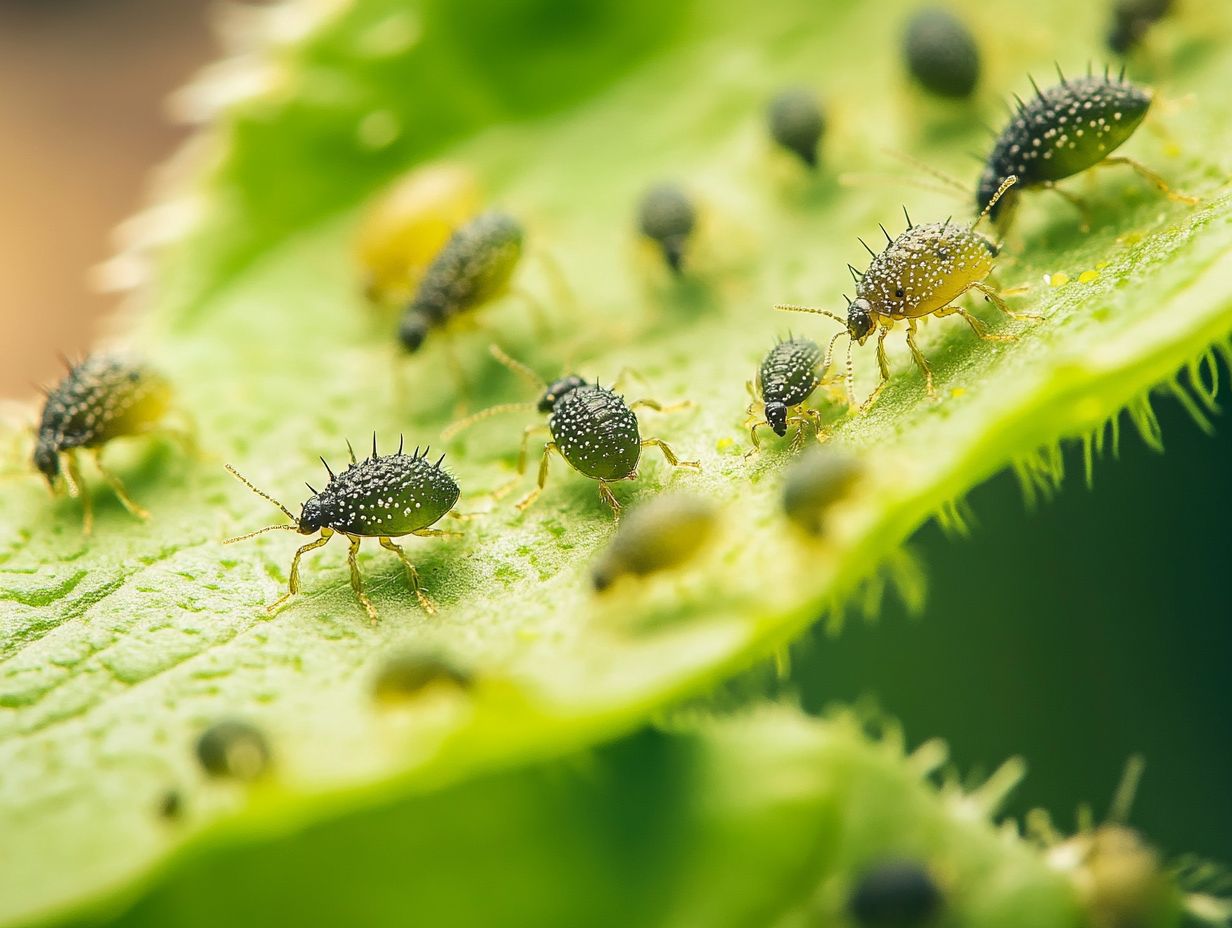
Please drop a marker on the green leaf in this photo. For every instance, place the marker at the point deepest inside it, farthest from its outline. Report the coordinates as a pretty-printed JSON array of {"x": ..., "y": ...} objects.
[{"x": 119, "y": 649}]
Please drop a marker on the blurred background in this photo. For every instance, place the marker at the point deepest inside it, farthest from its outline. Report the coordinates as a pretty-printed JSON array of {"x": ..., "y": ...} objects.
[{"x": 1092, "y": 628}]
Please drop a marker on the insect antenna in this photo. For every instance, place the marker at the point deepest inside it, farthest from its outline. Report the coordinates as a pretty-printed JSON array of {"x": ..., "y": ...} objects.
[
  {"x": 265, "y": 496},
  {"x": 829, "y": 358},
  {"x": 260, "y": 531},
  {"x": 518, "y": 368},
  {"x": 816, "y": 310},
  {"x": 454, "y": 428},
  {"x": 1005, "y": 185}
]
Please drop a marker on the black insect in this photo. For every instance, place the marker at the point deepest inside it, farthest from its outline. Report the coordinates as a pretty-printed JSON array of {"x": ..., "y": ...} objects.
[
  {"x": 666, "y": 216},
  {"x": 382, "y": 497},
  {"x": 101, "y": 398},
  {"x": 473, "y": 268},
  {"x": 787, "y": 377},
  {"x": 233, "y": 749},
  {"x": 1131, "y": 20},
  {"x": 592, "y": 428},
  {"x": 1063, "y": 131},
  {"x": 894, "y": 894},
  {"x": 796, "y": 122},
  {"x": 941, "y": 53}
]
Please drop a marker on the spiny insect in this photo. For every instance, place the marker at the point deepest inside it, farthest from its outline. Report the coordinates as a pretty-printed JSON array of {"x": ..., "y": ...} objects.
[
  {"x": 941, "y": 53},
  {"x": 796, "y": 122},
  {"x": 234, "y": 749},
  {"x": 407, "y": 675},
  {"x": 813, "y": 483},
  {"x": 666, "y": 216},
  {"x": 1063, "y": 131},
  {"x": 473, "y": 268},
  {"x": 894, "y": 893},
  {"x": 661, "y": 533},
  {"x": 408, "y": 225},
  {"x": 787, "y": 377},
  {"x": 382, "y": 497},
  {"x": 101, "y": 398},
  {"x": 1131, "y": 20},
  {"x": 919, "y": 273},
  {"x": 592, "y": 428}
]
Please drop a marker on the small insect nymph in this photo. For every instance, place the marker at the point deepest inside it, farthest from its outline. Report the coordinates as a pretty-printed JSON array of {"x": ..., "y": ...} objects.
[
  {"x": 895, "y": 894},
  {"x": 410, "y": 674},
  {"x": 473, "y": 268},
  {"x": 659, "y": 534},
  {"x": 1064, "y": 131},
  {"x": 666, "y": 216},
  {"x": 941, "y": 53},
  {"x": 813, "y": 483},
  {"x": 919, "y": 273},
  {"x": 592, "y": 428},
  {"x": 383, "y": 497},
  {"x": 786, "y": 379},
  {"x": 101, "y": 398},
  {"x": 796, "y": 122},
  {"x": 233, "y": 749},
  {"x": 1131, "y": 20}
]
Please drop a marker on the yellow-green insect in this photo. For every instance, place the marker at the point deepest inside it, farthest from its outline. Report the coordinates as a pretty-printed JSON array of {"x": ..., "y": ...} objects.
[
  {"x": 101, "y": 398},
  {"x": 919, "y": 273},
  {"x": 383, "y": 497},
  {"x": 659, "y": 534}
]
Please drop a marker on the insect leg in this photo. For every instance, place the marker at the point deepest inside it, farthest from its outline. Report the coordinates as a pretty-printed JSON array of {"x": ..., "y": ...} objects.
[
  {"x": 606, "y": 494},
  {"x": 293, "y": 581},
  {"x": 424, "y": 599},
  {"x": 357, "y": 583},
  {"x": 77, "y": 487},
  {"x": 659, "y": 407},
  {"x": 436, "y": 533},
  {"x": 976, "y": 325},
  {"x": 920, "y": 360},
  {"x": 118, "y": 487},
  {"x": 548, "y": 450},
  {"x": 669, "y": 454},
  {"x": 883, "y": 365},
  {"x": 521, "y": 468},
  {"x": 1149, "y": 175},
  {"x": 1077, "y": 202},
  {"x": 998, "y": 301}
]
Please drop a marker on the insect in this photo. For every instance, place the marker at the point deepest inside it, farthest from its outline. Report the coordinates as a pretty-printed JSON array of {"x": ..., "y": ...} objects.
[
  {"x": 666, "y": 216},
  {"x": 234, "y": 749},
  {"x": 787, "y": 377},
  {"x": 101, "y": 398},
  {"x": 661, "y": 533},
  {"x": 408, "y": 225},
  {"x": 919, "y": 273},
  {"x": 941, "y": 53},
  {"x": 894, "y": 894},
  {"x": 1131, "y": 20},
  {"x": 406, "y": 675},
  {"x": 473, "y": 268},
  {"x": 796, "y": 122},
  {"x": 1063, "y": 131},
  {"x": 383, "y": 497},
  {"x": 592, "y": 428},
  {"x": 814, "y": 482}
]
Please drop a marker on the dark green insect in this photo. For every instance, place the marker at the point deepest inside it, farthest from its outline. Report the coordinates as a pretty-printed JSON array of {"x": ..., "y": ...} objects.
[
  {"x": 814, "y": 482},
  {"x": 407, "y": 675},
  {"x": 101, "y": 398},
  {"x": 941, "y": 53},
  {"x": 592, "y": 428},
  {"x": 895, "y": 894},
  {"x": 1063, "y": 131},
  {"x": 659, "y": 534},
  {"x": 382, "y": 497},
  {"x": 1131, "y": 20},
  {"x": 170, "y": 805},
  {"x": 233, "y": 749},
  {"x": 787, "y": 377},
  {"x": 796, "y": 122},
  {"x": 473, "y": 268},
  {"x": 666, "y": 216}
]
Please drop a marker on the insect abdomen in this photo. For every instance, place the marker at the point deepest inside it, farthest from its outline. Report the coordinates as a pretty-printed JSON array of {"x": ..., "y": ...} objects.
[
  {"x": 597, "y": 433},
  {"x": 474, "y": 266},
  {"x": 102, "y": 398},
  {"x": 925, "y": 269},
  {"x": 788, "y": 375},
  {"x": 391, "y": 496}
]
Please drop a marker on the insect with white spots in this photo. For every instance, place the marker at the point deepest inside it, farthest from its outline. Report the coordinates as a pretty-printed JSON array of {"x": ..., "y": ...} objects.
[
  {"x": 101, "y": 398},
  {"x": 666, "y": 216},
  {"x": 383, "y": 497},
  {"x": 919, "y": 273},
  {"x": 591, "y": 427},
  {"x": 786, "y": 379},
  {"x": 1063, "y": 131}
]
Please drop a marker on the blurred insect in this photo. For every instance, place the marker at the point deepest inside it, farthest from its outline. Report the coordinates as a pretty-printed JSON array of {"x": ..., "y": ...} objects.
[
  {"x": 473, "y": 268},
  {"x": 408, "y": 225},
  {"x": 1063, "y": 131},
  {"x": 170, "y": 805},
  {"x": 380, "y": 497},
  {"x": 919, "y": 273},
  {"x": 409, "y": 674},
  {"x": 895, "y": 894},
  {"x": 101, "y": 398},
  {"x": 787, "y": 377},
  {"x": 666, "y": 216},
  {"x": 813, "y": 483},
  {"x": 661, "y": 533},
  {"x": 941, "y": 53},
  {"x": 233, "y": 749},
  {"x": 592, "y": 428},
  {"x": 796, "y": 122},
  {"x": 1131, "y": 20}
]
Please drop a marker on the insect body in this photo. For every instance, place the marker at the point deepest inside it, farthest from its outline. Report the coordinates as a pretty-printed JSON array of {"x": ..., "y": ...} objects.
[
  {"x": 666, "y": 216},
  {"x": 101, "y": 398},
  {"x": 895, "y": 894},
  {"x": 473, "y": 268},
  {"x": 661, "y": 533},
  {"x": 382, "y": 497},
  {"x": 592, "y": 428},
  {"x": 233, "y": 749},
  {"x": 941, "y": 53},
  {"x": 817, "y": 480},
  {"x": 919, "y": 273},
  {"x": 1063, "y": 131},
  {"x": 1131, "y": 20},
  {"x": 787, "y": 377},
  {"x": 796, "y": 122}
]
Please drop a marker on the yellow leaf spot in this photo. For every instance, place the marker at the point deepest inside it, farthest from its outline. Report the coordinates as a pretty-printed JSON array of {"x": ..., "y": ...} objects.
[
  {"x": 723, "y": 444},
  {"x": 1059, "y": 279},
  {"x": 958, "y": 391},
  {"x": 1087, "y": 276}
]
